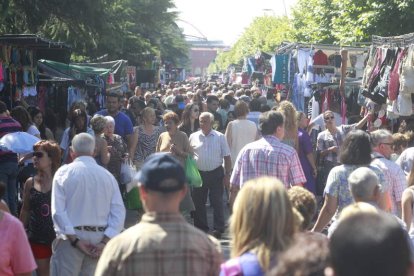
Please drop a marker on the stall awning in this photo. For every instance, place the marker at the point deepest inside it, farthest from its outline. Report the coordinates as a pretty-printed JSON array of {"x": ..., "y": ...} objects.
[{"x": 73, "y": 71}]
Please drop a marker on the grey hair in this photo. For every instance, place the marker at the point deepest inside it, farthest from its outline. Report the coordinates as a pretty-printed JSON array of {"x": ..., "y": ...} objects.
[
  {"x": 207, "y": 114},
  {"x": 110, "y": 120},
  {"x": 98, "y": 123},
  {"x": 83, "y": 144},
  {"x": 379, "y": 136},
  {"x": 362, "y": 183}
]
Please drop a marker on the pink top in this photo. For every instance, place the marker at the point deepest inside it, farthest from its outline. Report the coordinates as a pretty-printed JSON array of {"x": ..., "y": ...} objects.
[{"x": 15, "y": 253}]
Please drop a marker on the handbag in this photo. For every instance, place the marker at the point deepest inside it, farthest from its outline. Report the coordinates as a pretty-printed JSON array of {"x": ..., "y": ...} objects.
[
  {"x": 407, "y": 74},
  {"x": 192, "y": 173}
]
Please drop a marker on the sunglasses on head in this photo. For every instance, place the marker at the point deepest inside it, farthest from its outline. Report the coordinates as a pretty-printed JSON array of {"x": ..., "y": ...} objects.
[{"x": 38, "y": 154}]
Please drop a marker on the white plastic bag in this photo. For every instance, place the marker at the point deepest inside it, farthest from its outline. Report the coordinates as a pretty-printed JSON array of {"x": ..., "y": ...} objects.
[{"x": 127, "y": 172}]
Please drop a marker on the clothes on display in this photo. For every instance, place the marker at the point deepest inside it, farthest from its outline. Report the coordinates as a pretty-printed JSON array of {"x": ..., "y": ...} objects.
[{"x": 389, "y": 74}]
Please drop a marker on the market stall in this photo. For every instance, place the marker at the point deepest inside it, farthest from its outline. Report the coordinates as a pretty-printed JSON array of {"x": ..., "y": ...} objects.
[{"x": 18, "y": 64}]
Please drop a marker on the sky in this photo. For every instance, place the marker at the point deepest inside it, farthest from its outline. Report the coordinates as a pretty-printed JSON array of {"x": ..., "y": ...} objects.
[{"x": 225, "y": 19}]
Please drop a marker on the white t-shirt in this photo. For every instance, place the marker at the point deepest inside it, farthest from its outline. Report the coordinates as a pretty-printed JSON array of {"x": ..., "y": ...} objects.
[{"x": 33, "y": 130}]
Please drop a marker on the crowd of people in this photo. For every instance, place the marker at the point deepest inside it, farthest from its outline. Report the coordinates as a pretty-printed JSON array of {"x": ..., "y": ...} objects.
[{"x": 254, "y": 155}]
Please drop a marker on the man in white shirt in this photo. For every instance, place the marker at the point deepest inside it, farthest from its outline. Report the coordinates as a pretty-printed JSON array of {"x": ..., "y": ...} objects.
[
  {"x": 87, "y": 211},
  {"x": 382, "y": 147},
  {"x": 210, "y": 148}
]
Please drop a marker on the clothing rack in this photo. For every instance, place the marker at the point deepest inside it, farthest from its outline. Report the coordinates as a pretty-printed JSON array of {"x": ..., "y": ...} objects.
[
  {"x": 393, "y": 41},
  {"x": 290, "y": 46}
]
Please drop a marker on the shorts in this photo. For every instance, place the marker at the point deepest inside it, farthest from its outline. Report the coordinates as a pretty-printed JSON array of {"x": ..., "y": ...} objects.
[{"x": 41, "y": 251}]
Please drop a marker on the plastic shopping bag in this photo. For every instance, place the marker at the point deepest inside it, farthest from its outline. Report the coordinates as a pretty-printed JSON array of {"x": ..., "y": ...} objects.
[
  {"x": 133, "y": 201},
  {"x": 192, "y": 173},
  {"x": 127, "y": 172}
]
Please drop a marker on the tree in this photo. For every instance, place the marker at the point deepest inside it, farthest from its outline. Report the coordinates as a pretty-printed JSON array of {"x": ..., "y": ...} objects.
[
  {"x": 264, "y": 34},
  {"x": 348, "y": 21},
  {"x": 312, "y": 21},
  {"x": 130, "y": 29}
]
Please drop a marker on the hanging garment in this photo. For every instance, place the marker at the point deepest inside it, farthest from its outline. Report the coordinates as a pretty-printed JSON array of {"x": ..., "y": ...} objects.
[
  {"x": 377, "y": 89},
  {"x": 394, "y": 79},
  {"x": 280, "y": 68},
  {"x": 309, "y": 70},
  {"x": 302, "y": 57},
  {"x": 251, "y": 65},
  {"x": 407, "y": 73},
  {"x": 320, "y": 58},
  {"x": 335, "y": 60},
  {"x": 404, "y": 105}
]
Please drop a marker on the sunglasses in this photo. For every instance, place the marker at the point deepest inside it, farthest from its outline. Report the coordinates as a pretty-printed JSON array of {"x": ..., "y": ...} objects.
[
  {"x": 38, "y": 154},
  {"x": 329, "y": 118}
]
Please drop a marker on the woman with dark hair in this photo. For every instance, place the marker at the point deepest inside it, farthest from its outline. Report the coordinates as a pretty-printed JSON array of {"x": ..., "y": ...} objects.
[
  {"x": 36, "y": 213},
  {"x": 37, "y": 117},
  {"x": 355, "y": 152},
  {"x": 198, "y": 100},
  {"x": 329, "y": 144},
  {"x": 305, "y": 152},
  {"x": 189, "y": 119},
  {"x": 78, "y": 124},
  {"x": 20, "y": 114}
]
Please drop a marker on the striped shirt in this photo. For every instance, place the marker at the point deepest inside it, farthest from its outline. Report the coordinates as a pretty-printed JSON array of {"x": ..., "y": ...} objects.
[
  {"x": 161, "y": 244},
  {"x": 395, "y": 177},
  {"x": 209, "y": 150},
  {"x": 268, "y": 157},
  {"x": 8, "y": 125}
]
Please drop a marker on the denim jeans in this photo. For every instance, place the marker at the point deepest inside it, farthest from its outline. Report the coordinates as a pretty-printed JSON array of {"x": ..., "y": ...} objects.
[{"x": 8, "y": 175}]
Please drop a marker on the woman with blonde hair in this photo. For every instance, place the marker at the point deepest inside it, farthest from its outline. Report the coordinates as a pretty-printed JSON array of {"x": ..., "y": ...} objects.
[
  {"x": 145, "y": 137},
  {"x": 291, "y": 125},
  {"x": 262, "y": 226}
]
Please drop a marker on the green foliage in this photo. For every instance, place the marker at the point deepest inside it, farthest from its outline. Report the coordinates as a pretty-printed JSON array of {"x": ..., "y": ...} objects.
[
  {"x": 129, "y": 29},
  {"x": 348, "y": 21},
  {"x": 264, "y": 34}
]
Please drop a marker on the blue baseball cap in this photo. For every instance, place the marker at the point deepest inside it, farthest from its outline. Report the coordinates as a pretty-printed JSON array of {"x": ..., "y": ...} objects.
[{"x": 159, "y": 167}]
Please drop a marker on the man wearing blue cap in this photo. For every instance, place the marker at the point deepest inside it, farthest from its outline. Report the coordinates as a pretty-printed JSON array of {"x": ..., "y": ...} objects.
[{"x": 162, "y": 243}]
